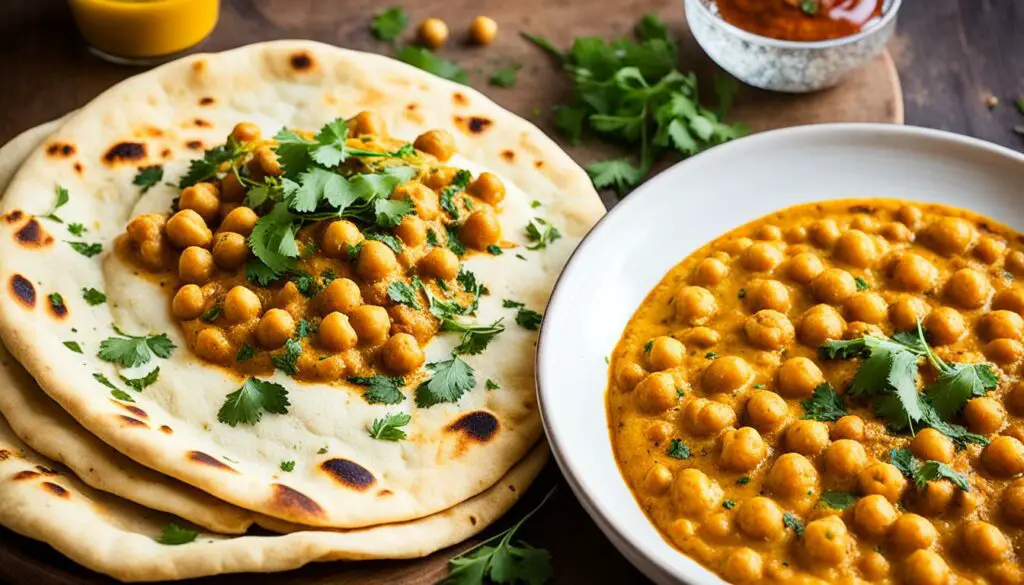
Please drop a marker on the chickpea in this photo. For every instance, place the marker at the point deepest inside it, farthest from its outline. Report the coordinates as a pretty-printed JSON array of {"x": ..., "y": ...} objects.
[
  {"x": 702, "y": 336},
  {"x": 341, "y": 295},
  {"x": 483, "y": 30},
  {"x": 666, "y": 353},
  {"x": 742, "y": 449},
  {"x": 229, "y": 250},
  {"x": 1015, "y": 263},
  {"x": 338, "y": 237},
  {"x": 743, "y": 565},
  {"x": 203, "y": 198},
  {"x": 240, "y": 220},
  {"x": 376, "y": 261},
  {"x": 245, "y": 132},
  {"x": 845, "y": 458},
  {"x": 760, "y": 518},
  {"x": 1013, "y": 504},
  {"x": 212, "y": 345},
  {"x": 766, "y": 410},
  {"x": 412, "y": 231},
  {"x": 704, "y": 417},
  {"x": 694, "y": 493},
  {"x": 1002, "y": 324},
  {"x": 804, "y": 267},
  {"x": 726, "y": 374},
  {"x": 432, "y": 32},
  {"x": 821, "y": 323},
  {"x": 950, "y": 236},
  {"x": 659, "y": 431},
  {"x": 439, "y": 263},
  {"x": 857, "y": 329},
  {"x": 481, "y": 229},
  {"x": 735, "y": 247},
  {"x": 807, "y": 437},
  {"x": 866, "y": 306},
  {"x": 367, "y": 123},
  {"x": 796, "y": 234},
  {"x": 710, "y": 272},
  {"x": 694, "y": 305},
  {"x": 195, "y": 265},
  {"x": 931, "y": 444},
  {"x": 913, "y": 273},
  {"x": 241, "y": 305},
  {"x": 1003, "y": 351},
  {"x": 488, "y": 188},
  {"x": 935, "y": 498},
  {"x": 657, "y": 480},
  {"x": 833, "y": 286},
  {"x": 984, "y": 415},
  {"x": 984, "y": 542},
  {"x": 717, "y": 526},
  {"x": 629, "y": 374},
  {"x": 882, "y": 479},
  {"x": 945, "y": 326},
  {"x": 402, "y": 354},
  {"x": 910, "y": 217},
  {"x": 925, "y": 567},
  {"x": 762, "y": 257},
  {"x": 657, "y": 393},
  {"x": 1014, "y": 399},
  {"x": 225, "y": 209},
  {"x": 769, "y": 232},
  {"x": 186, "y": 228},
  {"x": 276, "y": 327},
  {"x": 792, "y": 476},
  {"x": 266, "y": 161},
  {"x": 423, "y": 198},
  {"x": 912, "y": 532},
  {"x": 437, "y": 143},
  {"x": 874, "y": 566},
  {"x": 329, "y": 368},
  {"x": 146, "y": 235},
  {"x": 850, "y": 427},
  {"x": 371, "y": 324},
  {"x": 231, "y": 190},
  {"x": 188, "y": 302},
  {"x": 1009, "y": 299},
  {"x": 1004, "y": 457},
  {"x": 287, "y": 297},
  {"x": 856, "y": 248},
  {"x": 989, "y": 249},
  {"x": 799, "y": 376},
  {"x": 769, "y": 329},
  {"x": 826, "y": 540},
  {"x": 897, "y": 232},
  {"x": 968, "y": 288},
  {"x": 824, "y": 233},
  {"x": 873, "y": 515},
  {"x": 768, "y": 294},
  {"x": 906, "y": 312}
]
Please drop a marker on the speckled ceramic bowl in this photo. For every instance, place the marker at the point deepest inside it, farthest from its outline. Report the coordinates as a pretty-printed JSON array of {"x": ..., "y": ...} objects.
[{"x": 786, "y": 66}]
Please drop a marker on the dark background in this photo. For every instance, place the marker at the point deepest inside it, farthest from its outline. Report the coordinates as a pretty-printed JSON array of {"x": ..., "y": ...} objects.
[{"x": 951, "y": 56}]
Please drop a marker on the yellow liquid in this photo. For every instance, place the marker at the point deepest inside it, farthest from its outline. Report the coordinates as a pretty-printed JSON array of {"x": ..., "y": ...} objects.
[{"x": 140, "y": 29}]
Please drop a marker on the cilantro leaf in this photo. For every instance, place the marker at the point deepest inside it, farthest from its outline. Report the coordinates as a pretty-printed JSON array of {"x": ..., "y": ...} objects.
[
  {"x": 450, "y": 379},
  {"x": 76, "y": 229},
  {"x": 245, "y": 353},
  {"x": 314, "y": 186},
  {"x": 861, "y": 284},
  {"x": 388, "y": 24},
  {"x": 403, "y": 294},
  {"x": 923, "y": 472},
  {"x": 838, "y": 500},
  {"x": 391, "y": 212},
  {"x": 541, "y": 233},
  {"x": 62, "y": 199},
  {"x": 506, "y": 76},
  {"x": 148, "y": 176},
  {"x": 93, "y": 297},
  {"x": 246, "y": 405},
  {"x": 73, "y": 346},
  {"x": 387, "y": 239},
  {"x": 569, "y": 122},
  {"x": 288, "y": 466},
  {"x": 454, "y": 243},
  {"x": 677, "y": 449},
  {"x": 389, "y": 427},
  {"x": 207, "y": 167},
  {"x": 273, "y": 239},
  {"x": 447, "y": 195},
  {"x": 424, "y": 59},
  {"x": 260, "y": 273},
  {"x": 958, "y": 383},
  {"x": 139, "y": 384},
  {"x": 131, "y": 351},
  {"x": 381, "y": 389},
  {"x": 475, "y": 338},
  {"x": 618, "y": 173},
  {"x": 491, "y": 385},
  {"x": 87, "y": 250},
  {"x": 173, "y": 535},
  {"x": 545, "y": 44},
  {"x": 286, "y": 361},
  {"x": 528, "y": 319},
  {"x": 793, "y": 523},
  {"x": 824, "y": 405}
]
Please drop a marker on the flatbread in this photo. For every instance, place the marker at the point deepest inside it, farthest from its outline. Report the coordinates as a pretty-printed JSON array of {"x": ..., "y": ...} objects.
[
  {"x": 112, "y": 536},
  {"x": 454, "y": 451}
]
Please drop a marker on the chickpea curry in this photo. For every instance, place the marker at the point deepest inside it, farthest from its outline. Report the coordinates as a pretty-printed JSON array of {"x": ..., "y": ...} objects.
[
  {"x": 801, "y": 20},
  {"x": 332, "y": 256},
  {"x": 833, "y": 393}
]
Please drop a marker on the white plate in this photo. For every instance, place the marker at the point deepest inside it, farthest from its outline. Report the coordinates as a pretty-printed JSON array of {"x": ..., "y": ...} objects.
[{"x": 630, "y": 250}]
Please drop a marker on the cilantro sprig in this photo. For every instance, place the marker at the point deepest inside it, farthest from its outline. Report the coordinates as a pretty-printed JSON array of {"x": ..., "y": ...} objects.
[
  {"x": 148, "y": 176},
  {"x": 62, "y": 198},
  {"x": 923, "y": 472},
  {"x": 381, "y": 389},
  {"x": 388, "y": 24},
  {"x": 174, "y": 535},
  {"x": 389, "y": 427},
  {"x": 247, "y": 404},
  {"x": 134, "y": 350},
  {"x": 824, "y": 405},
  {"x": 449, "y": 380}
]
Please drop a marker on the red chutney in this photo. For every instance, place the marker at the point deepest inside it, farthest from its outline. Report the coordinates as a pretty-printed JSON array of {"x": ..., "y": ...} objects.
[{"x": 801, "y": 20}]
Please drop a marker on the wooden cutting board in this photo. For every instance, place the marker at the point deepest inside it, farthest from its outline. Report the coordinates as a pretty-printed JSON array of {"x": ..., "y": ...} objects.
[{"x": 53, "y": 59}]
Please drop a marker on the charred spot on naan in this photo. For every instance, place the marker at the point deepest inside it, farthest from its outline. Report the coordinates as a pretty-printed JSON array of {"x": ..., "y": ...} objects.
[
  {"x": 78, "y": 167},
  {"x": 478, "y": 425},
  {"x": 472, "y": 520},
  {"x": 473, "y": 124},
  {"x": 293, "y": 503},
  {"x": 23, "y": 291},
  {"x": 460, "y": 99},
  {"x": 14, "y": 216},
  {"x": 201, "y": 123},
  {"x": 27, "y": 474},
  {"x": 385, "y": 493},
  {"x": 32, "y": 235},
  {"x": 46, "y": 471},
  {"x": 206, "y": 101},
  {"x": 125, "y": 152},
  {"x": 508, "y": 155},
  {"x": 132, "y": 421},
  {"x": 166, "y": 430},
  {"x": 301, "y": 61},
  {"x": 165, "y": 153},
  {"x": 5, "y": 455},
  {"x": 349, "y": 473},
  {"x": 194, "y": 145},
  {"x": 58, "y": 308},
  {"x": 60, "y": 149},
  {"x": 209, "y": 460},
  {"x": 56, "y": 490}
]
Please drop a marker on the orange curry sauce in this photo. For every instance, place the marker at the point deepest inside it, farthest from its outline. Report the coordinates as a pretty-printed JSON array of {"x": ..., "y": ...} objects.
[{"x": 801, "y": 20}]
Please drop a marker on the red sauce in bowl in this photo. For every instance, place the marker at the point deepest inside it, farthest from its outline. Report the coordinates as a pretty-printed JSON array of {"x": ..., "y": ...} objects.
[{"x": 801, "y": 20}]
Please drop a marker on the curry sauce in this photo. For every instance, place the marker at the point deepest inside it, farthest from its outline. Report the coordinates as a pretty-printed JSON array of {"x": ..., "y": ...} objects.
[
  {"x": 801, "y": 20},
  {"x": 734, "y": 423}
]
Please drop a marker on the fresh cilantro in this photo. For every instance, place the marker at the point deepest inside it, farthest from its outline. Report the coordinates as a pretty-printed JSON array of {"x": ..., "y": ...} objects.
[
  {"x": 677, "y": 449},
  {"x": 388, "y": 24},
  {"x": 923, "y": 472},
  {"x": 424, "y": 59},
  {"x": 273, "y": 239},
  {"x": 390, "y": 212},
  {"x": 809, "y": 7},
  {"x": 510, "y": 304},
  {"x": 729, "y": 504},
  {"x": 389, "y": 427},
  {"x": 403, "y": 294},
  {"x": 447, "y": 196},
  {"x": 475, "y": 338},
  {"x": 87, "y": 250},
  {"x": 824, "y": 405},
  {"x": 322, "y": 451},
  {"x": 545, "y": 44},
  {"x": 541, "y": 233},
  {"x": 491, "y": 385},
  {"x": 73, "y": 346},
  {"x": 204, "y": 168},
  {"x": 506, "y": 76},
  {"x": 618, "y": 174},
  {"x": 388, "y": 240},
  {"x": 449, "y": 380},
  {"x": 468, "y": 281},
  {"x": 173, "y": 535},
  {"x": 56, "y": 300},
  {"x": 528, "y": 319},
  {"x": 743, "y": 480},
  {"x": 838, "y": 500},
  {"x": 494, "y": 250},
  {"x": 245, "y": 353},
  {"x": 259, "y": 273},
  {"x": 956, "y": 383},
  {"x": 793, "y": 523},
  {"x": 76, "y": 229},
  {"x": 286, "y": 361},
  {"x": 381, "y": 389},
  {"x": 309, "y": 286},
  {"x": 131, "y": 350},
  {"x": 246, "y": 405},
  {"x": 327, "y": 276},
  {"x": 148, "y": 176},
  {"x": 454, "y": 243},
  {"x": 139, "y": 384},
  {"x": 93, "y": 297},
  {"x": 861, "y": 283},
  {"x": 710, "y": 355},
  {"x": 212, "y": 313},
  {"x": 288, "y": 466},
  {"x": 304, "y": 329},
  {"x": 106, "y": 382},
  {"x": 121, "y": 395},
  {"x": 432, "y": 237},
  {"x": 648, "y": 346},
  {"x": 62, "y": 199}
]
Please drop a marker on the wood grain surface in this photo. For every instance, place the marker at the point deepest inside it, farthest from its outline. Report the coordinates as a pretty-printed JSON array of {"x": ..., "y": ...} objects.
[{"x": 951, "y": 54}]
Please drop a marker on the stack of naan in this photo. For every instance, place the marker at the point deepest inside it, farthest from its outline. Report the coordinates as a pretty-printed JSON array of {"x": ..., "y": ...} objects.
[{"x": 142, "y": 475}]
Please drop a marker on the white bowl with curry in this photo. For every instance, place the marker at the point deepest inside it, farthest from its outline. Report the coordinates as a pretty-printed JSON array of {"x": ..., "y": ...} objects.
[{"x": 797, "y": 358}]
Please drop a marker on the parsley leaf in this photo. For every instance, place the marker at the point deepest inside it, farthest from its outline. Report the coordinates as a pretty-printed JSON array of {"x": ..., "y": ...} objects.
[
  {"x": 148, "y": 176},
  {"x": 62, "y": 199},
  {"x": 541, "y": 233},
  {"x": 824, "y": 405},
  {"x": 677, "y": 449},
  {"x": 838, "y": 500},
  {"x": 402, "y": 293},
  {"x": 286, "y": 361},
  {"x": 139, "y": 384},
  {"x": 381, "y": 389},
  {"x": 424, "y": 59},
  {"x": 173, "y": 535},
  {"x": 388, "y": 24},
  {"x": 246, "y": 405},
  {"x": 389, "y": 427},
  {"x": 93, "y": 297},
  {"x": 475, "y": 338},
  {"x": 73, "y": 346},
  {"x": 87, "y": 250},
  {"x": 793, "y": 523},
  {"x": 131, "y": 351},
  {"x": 506, "y": 76},
  {"x": 288, "y": 466},
  {"x": 450, "y": 379}
]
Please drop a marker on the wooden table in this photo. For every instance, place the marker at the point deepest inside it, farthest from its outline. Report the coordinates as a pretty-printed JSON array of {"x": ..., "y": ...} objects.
[{"x": 951, "y": 56}]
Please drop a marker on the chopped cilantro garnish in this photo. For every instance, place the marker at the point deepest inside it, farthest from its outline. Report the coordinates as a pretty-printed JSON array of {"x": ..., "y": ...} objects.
[
  {"x": 131, "y": 350},
  {"x": 710, "y": 355},
  {"x": 743, "y": 480},
  {"x": 246, "y": 405},
  {"x": 93, "y": 297},
  {"x": 861, "y": 283},
  {"x": 454, "y": 243},
  {"x": 824, "y": 405},
  {"x": 388, "y": 24},
  {"x": 212, "y": 313},
  {"x": 529, "y": 319},
  {"x": 87, "y": 250},
  {"x": 923, "y": 472},
  {"x": 494, "y": 250},
  {"x": 449, "y": 380},
  {"x": 148, "y": 176},
  {"x": 677, "y": 449},
  {"x": 491, "y": 385},
  {"x": 389, "y": 427},
  {"x": 73, "y": 346},
  {"x": 204, "y": 168},
  {"x": 173, "y": 535},
  {"x": 288, "y": 466},
  {"x": 475, "y": 338},
  {"x": 245, "y": 352},
  {"x": 506, "y": 76},
  {"x": 381, "y": 389},
  {"x": 424, "y": 59},
  {"x": 62, "y": 199},
  {"x": 793, "y": 523},
  {"x": 403, "y": 294},
  {"x": 139, "y": 384},
  {"x": 286, "y": 361},
  {"x": 729, "y": 504},
  {"x": 541, "y": 234},
  {"x": 838, "y": 500},
  {"x": 76, "y": 229}
]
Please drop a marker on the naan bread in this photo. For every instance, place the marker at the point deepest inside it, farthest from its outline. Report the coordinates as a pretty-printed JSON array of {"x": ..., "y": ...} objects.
[{"x": 454, "y": 451}]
